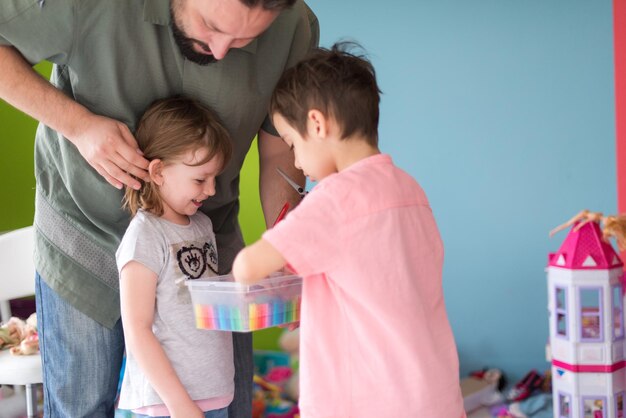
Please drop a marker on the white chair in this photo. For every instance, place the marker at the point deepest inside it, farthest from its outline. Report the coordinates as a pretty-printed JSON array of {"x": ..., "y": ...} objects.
[{"x": 17, "y": 279}]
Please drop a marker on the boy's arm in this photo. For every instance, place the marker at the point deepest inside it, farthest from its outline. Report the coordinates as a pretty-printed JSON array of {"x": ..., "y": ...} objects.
[
  {"x": 257, "y": 261},
  {"x": 137, "y": 298}
]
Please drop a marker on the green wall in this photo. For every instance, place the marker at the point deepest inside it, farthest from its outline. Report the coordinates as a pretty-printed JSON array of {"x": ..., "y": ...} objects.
[
  {"x": 17, "y": 185},
  {"x": 17, "y": 179}
]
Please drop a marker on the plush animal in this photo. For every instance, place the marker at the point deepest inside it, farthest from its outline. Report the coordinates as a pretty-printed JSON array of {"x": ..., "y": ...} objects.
[{"x": 20, "y": 336}]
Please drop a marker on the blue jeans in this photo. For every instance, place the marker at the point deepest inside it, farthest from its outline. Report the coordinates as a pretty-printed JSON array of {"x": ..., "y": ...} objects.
[
  {"x": 218, "y": 413},
  {"x": 81, "y": 358}
]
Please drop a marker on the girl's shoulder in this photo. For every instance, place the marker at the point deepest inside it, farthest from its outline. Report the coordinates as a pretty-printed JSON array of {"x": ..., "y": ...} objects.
[
  {"x": 144, "y": 224},
  {"x": 143, "y": 219}
]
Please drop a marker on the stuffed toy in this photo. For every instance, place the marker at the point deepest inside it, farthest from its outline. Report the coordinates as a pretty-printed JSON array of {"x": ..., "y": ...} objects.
[{"x": 20, "y": 336}]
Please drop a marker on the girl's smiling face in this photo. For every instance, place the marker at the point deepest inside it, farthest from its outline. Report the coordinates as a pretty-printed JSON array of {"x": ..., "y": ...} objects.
[{"x": 183, "y": 185}]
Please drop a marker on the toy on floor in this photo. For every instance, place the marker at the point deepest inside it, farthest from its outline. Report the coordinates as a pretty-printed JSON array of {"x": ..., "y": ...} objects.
[
  {"x": 586, "y": 318},
  {"x": 269, "y": 402},
  {"x": 500, "y": 411},
  {"x": 20, "y": 336},
  {"x": 481, "y": 388},
  {"x": 276, "y": 379},
  {"x": 279, "y": 375},
  {"x": 490, "y": 375},
  {"x": 536, "y": 406},
  {"x": 525, "y": 387}
]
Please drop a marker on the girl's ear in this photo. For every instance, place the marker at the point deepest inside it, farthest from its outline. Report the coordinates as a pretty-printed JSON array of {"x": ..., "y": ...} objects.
[
  {"x": 155, "y": 168},
  {"x": 317, "y": 124}
]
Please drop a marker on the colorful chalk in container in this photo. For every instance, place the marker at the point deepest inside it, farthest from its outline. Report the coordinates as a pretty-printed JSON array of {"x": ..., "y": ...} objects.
[{"x": 222, "y": 304}]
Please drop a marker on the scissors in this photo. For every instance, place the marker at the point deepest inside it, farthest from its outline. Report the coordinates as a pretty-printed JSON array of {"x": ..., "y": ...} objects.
[{"x": 292, "y": 183}]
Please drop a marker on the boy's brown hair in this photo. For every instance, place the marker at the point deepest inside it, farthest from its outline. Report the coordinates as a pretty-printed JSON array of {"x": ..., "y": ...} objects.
[
  {"x": 167, "y": 130},
  {"x": 335, "y": 82}
]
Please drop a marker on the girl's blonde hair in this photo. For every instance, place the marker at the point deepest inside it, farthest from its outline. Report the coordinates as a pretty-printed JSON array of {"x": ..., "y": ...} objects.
[{"x": 169, "y": 129}]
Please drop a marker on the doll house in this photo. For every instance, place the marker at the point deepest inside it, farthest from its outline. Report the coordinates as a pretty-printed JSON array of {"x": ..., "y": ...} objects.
[{"x": 586, "y": 315}]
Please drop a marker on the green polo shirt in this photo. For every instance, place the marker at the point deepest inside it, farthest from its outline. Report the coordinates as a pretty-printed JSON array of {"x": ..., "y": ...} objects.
[{"x": 116, "y": 57}]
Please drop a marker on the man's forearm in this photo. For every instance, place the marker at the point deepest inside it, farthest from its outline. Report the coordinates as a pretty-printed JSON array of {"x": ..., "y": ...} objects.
[
  {"x": 23, "y": 88},
  {"x": 274, "y": 190}
]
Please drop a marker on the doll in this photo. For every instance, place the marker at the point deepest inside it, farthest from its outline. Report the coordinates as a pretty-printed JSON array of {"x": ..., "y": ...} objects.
[{"x": 20, "y": 336}]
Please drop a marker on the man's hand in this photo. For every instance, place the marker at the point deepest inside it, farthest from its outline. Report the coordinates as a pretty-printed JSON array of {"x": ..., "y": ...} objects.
[
  {"x": 106, "y": 144},
  {"x": 110, "y": 148}
]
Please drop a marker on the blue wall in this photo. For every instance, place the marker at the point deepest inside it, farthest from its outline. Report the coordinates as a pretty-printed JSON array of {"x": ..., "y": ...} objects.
[{"x": 504, "y": 111}]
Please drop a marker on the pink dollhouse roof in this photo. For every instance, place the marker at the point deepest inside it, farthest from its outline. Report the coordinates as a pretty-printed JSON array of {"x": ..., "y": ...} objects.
[{"x": 585, "y": 250}]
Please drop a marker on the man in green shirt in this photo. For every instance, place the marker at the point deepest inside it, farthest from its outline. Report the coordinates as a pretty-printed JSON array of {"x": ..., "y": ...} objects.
[{"x": 111, "y": 60}]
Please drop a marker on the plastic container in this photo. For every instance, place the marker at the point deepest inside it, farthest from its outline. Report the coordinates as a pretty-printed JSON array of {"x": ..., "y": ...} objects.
[{"x": 222, "y": 304}]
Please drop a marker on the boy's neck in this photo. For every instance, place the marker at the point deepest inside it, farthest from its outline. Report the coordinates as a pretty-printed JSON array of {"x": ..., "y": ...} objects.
[{"x": 352, "y": 150}]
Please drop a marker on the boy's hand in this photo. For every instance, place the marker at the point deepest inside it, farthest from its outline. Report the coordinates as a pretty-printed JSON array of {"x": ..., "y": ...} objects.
[{"x": 257, "y": 261}]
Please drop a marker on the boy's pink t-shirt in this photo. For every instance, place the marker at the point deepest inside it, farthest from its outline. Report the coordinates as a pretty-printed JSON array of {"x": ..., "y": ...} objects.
[{"x": 375, "y": 339}]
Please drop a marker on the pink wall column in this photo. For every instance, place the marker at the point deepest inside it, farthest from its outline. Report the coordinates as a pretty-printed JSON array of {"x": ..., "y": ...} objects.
[{"x": 619, "y": 26}]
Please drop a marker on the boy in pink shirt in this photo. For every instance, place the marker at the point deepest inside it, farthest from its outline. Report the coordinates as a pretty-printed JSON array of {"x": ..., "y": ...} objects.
[{"x": 375, "y": 338}]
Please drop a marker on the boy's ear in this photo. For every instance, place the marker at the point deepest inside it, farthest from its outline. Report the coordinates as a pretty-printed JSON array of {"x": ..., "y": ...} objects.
[
  {"x": 154, "y": 170},
  {"x": 317, "y": 124}
]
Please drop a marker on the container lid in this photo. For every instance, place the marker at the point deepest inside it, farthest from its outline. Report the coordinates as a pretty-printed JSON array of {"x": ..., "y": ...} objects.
[{"x": 227, "y": 283}]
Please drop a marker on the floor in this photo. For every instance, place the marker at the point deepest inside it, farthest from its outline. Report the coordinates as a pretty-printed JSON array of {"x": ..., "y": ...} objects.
[{"x": 480, "y": 413}]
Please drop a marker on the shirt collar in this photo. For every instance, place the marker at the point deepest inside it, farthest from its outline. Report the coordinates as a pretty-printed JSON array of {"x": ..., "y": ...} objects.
[{"x": 158, "y": 13}]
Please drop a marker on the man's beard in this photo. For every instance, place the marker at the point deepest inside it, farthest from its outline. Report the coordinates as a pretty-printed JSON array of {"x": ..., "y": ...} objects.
[{"x": 186, "y": 45}]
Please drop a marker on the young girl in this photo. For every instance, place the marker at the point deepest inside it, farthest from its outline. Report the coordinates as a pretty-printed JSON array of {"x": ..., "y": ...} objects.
[{"x": 173, "y": 369}]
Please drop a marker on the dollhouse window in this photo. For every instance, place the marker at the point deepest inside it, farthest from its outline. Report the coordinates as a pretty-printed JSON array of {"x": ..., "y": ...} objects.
[
  {"x": 594, "y": 407},
  {"x": 561, "y": 311},
  {"x": 565, "y": 408},
  {"x": 618, "y": 312},
  {"x": 591, "y": 314},
  {"x": 619, "y": 405}
]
